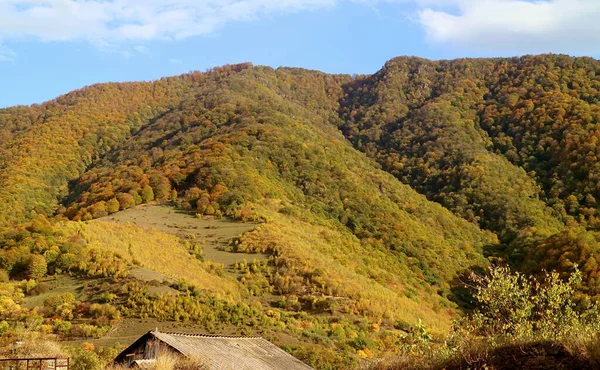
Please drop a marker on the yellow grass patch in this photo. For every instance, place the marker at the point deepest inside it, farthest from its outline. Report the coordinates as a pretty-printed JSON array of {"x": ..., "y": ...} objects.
[{"x": 154, "y": 250}]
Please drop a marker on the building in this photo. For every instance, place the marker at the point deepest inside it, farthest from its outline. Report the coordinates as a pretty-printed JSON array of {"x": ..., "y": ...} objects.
[{"x": 215, "y": 352}]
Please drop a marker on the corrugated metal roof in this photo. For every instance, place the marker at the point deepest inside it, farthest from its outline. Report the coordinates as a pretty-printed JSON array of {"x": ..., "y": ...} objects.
[{"x": 231, "y": 352}]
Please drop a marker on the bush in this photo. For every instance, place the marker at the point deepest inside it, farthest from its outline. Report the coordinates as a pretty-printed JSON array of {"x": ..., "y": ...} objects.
[
  {"x": 517, "y": 318},
  {"x": 63, "y": 327},
  {"x": 60, "y": 305},
  {"x": 8, "y": 307},
  {"x": 512, "y": 304},
  {"x": 85, "y": 359},
  {"x": 37, "y": 266}
]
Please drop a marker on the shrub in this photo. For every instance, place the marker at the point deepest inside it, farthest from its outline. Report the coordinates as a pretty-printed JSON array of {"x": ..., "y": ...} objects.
[
  {"x": 85, "y": 359},
  {"x": 60, "y": 305},
  {"x": 40, "y": 288},
  {"x": 37, "y": 266},
  {"x": 107, "y": 297},
  {"x": 8, "y": 306},
  {"x": 63, "y": 327},
  {"x": 512, "y": 304}
]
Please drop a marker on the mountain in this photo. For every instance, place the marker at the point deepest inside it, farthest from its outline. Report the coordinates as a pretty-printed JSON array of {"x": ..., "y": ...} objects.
[
  {"x": 508, "y": 144},
  {"x": 366, "y": 198}
]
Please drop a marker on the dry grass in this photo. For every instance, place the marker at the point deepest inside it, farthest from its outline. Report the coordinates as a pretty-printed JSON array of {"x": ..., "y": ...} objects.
[
  {"x": 169, "y": 361},
  {"x": 60, "y": 284},
  {"x": 584, "y": 344},
  {"x": 210, "y": 232},
  {"x": 30, "y": 344},
  {"x": 578, "y": 351},
  {"x": 154, "y": 250}
]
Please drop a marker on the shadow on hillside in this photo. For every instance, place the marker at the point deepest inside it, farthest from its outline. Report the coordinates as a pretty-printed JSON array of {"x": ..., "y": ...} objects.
[
  {"x": 537, "y": 355},
  {"x": 461, "y": 288}
]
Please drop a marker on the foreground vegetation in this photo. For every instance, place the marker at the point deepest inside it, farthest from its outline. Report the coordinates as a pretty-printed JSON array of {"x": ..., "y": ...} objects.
[{"x": 519, "y": 322}]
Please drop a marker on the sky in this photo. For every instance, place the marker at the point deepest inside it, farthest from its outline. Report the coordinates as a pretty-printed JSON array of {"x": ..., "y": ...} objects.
[{"x": 51, "y": 47}]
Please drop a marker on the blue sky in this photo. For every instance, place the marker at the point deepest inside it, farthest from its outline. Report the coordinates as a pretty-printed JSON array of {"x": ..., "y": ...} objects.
[{"x": 50, "y": 47}]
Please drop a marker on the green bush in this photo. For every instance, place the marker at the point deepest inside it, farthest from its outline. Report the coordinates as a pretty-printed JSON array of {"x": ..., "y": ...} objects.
[
  {"x": 520, "y": 306},
  {"x": 85, "y": 359},
  {"x": 63, "y": 327},
  {"x": 37, "y": 266}
]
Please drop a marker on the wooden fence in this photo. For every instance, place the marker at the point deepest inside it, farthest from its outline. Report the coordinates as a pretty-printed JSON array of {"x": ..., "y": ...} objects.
[{"x": 35, "y": 364}]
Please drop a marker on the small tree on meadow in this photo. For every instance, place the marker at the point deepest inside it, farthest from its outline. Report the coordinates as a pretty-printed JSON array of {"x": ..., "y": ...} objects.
[
  {"x": 147, "y": 194},
  {"x": 37, "y": 267},
  {"x": 112, "y": 206}
]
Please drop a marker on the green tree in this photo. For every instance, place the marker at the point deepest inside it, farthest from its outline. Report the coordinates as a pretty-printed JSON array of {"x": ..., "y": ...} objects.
[
  {"x": 37, "y": 266},
  {"x": 85, "y": 359},
  {"x": 517, "y": 305},
  {"x": 136, "y": 196},
  {"x": 147, "y": 194},
  {"x": 112, "y": 206}
]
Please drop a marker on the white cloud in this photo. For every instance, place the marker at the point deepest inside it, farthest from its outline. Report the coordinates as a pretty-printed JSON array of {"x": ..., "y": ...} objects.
[
  {"x": 516, "y": 26},
  {"x": 120, "y": 21},
  {"x": 503, "y": 26},
  {"x": 174, "y": 61},
  {"x": 141, "y": 49},
  {"x": 6, "y": 55}
]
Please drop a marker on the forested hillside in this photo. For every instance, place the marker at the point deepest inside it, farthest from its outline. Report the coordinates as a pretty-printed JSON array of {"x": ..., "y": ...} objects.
[
  {"x": 509, "y": 144},
  {"x": 373, "y": 195}
]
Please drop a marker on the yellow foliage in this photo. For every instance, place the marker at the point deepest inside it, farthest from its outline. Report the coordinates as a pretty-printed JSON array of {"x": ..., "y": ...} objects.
[
  {"x": 152, "y": 249},
  {"x": 344, "y": 271}
]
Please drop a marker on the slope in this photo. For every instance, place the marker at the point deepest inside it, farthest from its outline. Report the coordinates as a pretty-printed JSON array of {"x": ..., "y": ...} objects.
[
  {"x": 356, "y": 257},
  {"x": 42, "y": 147},
  {"x": 255, "y": 145},
  {"x": 507, "y": 143}
]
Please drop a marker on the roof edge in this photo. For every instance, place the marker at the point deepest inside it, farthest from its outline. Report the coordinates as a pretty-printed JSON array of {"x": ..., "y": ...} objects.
[{"x": 206, "y": 335}]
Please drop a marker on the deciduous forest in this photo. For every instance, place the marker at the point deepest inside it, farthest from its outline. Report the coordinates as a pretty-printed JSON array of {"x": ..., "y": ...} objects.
[{"x": 378, "y": 203}]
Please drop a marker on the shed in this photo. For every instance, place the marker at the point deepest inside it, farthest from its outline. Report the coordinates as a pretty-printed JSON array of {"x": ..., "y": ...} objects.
[{"x": 216, "y": 352}]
